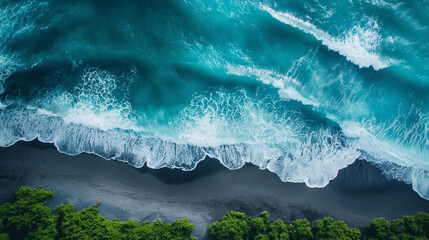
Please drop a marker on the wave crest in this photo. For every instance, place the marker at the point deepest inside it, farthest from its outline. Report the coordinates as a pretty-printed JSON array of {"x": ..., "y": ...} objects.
[
  {"x": 360, "y": 45},
  {"x": 314, "y": 161}
]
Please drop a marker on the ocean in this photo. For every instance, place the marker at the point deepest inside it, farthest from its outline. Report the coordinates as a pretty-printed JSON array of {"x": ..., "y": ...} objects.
[{"x": 301, "y": 88}]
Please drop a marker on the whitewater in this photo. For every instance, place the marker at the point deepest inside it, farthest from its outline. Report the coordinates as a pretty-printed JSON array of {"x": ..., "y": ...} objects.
[{"x": 302, "y": 89}]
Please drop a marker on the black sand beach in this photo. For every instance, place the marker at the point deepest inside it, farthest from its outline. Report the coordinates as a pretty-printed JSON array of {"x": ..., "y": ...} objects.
[{"x": 359, "y": 193}]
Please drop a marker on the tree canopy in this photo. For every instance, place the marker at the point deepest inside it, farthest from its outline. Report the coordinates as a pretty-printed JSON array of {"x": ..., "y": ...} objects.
[
  {"x": 236, "y": 225},
  {"x": 407, "y": 227},
  {"x": 28, "y": 217}
]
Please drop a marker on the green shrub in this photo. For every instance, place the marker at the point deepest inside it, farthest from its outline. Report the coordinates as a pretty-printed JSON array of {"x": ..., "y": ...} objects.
[
  {"x": 4, "y": 236},
  {"x": 278, "y": 231},
  {"x": 407, "y": 227},
  {"x": 300, "y": 230},
  {"x": 28, "y": 217},
  {"x": 234, "y": 225},
  {"x": 327, "y": 228}
]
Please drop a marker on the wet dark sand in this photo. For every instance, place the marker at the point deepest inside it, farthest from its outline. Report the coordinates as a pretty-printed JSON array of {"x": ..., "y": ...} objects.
[{"x": 359, "y": 193}]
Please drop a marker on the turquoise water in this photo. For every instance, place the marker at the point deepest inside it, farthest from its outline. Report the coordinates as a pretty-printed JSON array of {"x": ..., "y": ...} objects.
[{"x": 302, "y": 88}]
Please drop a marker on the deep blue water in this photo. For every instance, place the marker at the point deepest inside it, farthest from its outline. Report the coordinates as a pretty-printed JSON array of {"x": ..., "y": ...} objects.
[{"x": 302, "y": 88}]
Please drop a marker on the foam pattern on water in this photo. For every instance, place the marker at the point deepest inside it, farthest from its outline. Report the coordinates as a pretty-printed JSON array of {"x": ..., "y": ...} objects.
[
  {"x": 359, "y": 45},
  {"x": 16, "y": 21},
  {"x": 301, "y": 88},
  {"x": 313, "y": 158},
  {"x": 99, "y": 100}
]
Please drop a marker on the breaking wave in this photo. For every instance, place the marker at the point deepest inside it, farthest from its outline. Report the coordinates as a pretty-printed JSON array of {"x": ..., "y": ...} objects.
[
  {"x": 302, "y": 89},
  {"x": 313, "y": 158},
  {"x": 359, "y": 45}
]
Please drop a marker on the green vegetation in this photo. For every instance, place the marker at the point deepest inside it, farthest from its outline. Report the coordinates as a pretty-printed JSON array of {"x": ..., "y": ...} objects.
[
  {"x": 28, "y": 217},
  {"x": 236, "y": 225},
  {"x": 407, "y": 227}
]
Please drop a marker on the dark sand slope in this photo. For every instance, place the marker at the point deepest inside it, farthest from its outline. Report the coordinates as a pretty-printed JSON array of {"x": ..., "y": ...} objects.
[{"x": 357, "y": 195}]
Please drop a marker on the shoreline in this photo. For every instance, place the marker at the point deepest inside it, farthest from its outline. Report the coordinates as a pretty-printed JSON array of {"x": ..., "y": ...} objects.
[{"x": 358, "y": 194}]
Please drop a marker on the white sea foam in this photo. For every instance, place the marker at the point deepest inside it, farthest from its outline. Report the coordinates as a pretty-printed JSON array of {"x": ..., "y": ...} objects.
[
  {"x": 233, "y": 128},
  {"x": 16, "y": 18},
  {"x": 264, "y": 75},
  {"x": 7, "y": 67},
  {"x": 359, "y": 45},
  {"x": 93, "y": 102},
  {"x": 269, "y": 133},
  {"x": 283, "y": 82},
  {"x": 404, "y": 159},
  {"x": 397, "y": 159},
  {"x": 385, "y": 4},
  {"x": 220, "y": 117},
  {"x": 291, "y": 93},
  {"x": 19, "y": 18}
]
